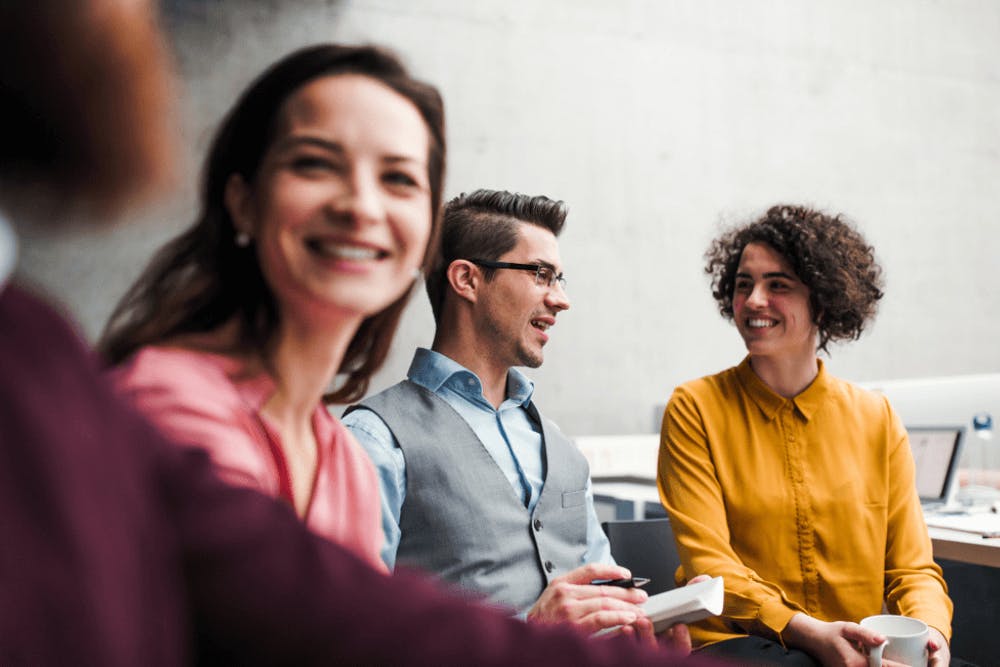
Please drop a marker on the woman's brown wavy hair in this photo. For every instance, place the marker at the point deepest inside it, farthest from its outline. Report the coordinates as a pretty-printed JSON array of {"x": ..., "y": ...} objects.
[{"x": 202, "y": 280}]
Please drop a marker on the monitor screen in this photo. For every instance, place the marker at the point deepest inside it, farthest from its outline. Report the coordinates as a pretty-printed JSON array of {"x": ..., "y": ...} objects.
[{"x": 935, "y": 452}]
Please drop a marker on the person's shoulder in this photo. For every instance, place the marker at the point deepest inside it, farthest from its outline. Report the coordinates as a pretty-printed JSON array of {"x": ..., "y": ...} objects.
[
  {"x": 716, "y": 384},
  {"x": 870, "y": 410},
  {"x": 404, "y": 386},
  {"x": 44, "y": 358},
  {"x": 17, "y": 300},
  {"x": 31, "y": 318},
  {"x": 858, "y": 398},
  {"x": 40, "y": 346},
  {"x": 367, "y": 428},
  {"x": 166, "y": 365},
  {"x": 372, "y": 406},
  {"x": 168, "y": 379},
  {"x": 199, "y": 398}
]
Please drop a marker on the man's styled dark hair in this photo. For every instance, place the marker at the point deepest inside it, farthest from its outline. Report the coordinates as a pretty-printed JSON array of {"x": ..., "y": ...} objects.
[
  {"x": 484, "y": 225},
  {"x": 827, "y": 254}
]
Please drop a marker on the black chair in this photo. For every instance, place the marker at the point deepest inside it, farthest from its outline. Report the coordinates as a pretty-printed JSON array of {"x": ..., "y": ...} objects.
[
  {"x": 975, "y": 590},
  {"x": 646, "y": 547}
]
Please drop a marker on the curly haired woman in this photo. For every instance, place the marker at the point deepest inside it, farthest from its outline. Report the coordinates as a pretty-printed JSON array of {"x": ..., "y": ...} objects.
[{"x": 795, "y": 486}]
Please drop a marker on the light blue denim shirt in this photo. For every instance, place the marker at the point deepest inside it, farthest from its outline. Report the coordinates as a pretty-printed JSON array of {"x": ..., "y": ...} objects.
[{"x": 508, "y": 433}]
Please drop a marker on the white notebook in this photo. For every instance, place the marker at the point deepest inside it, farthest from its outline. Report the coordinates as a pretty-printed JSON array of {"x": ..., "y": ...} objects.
[{"x": 686, "y": 604}]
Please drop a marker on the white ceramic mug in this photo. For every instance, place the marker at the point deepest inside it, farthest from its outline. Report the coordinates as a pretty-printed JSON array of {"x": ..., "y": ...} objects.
[{"x": 906, "y": 640}]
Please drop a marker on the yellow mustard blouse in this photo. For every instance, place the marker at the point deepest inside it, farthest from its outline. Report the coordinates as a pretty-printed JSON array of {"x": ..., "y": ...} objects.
[{"x": 805, "y": 504}]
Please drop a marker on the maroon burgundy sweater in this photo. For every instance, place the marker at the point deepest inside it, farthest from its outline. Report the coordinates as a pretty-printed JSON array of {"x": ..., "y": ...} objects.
[{"x": 117, "y": 548}]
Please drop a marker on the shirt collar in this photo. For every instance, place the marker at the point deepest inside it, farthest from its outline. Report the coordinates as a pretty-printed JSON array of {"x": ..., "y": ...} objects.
[
  {"x": 807, "y": 402},
  {"x": 519, "y": 387},
  {"x": 8, "y": 251},
  {"x": 432, "y": 370}
]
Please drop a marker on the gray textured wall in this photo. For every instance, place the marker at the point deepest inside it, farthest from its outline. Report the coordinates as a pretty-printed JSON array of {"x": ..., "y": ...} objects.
[{"x": 656, "y": 121}]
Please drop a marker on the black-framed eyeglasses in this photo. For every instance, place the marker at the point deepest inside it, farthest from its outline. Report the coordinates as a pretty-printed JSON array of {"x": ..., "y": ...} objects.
[{"x": 544, "y": 275}]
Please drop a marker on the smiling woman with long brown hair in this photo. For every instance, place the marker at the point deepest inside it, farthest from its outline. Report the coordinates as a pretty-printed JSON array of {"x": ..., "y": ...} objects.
[{"x": 319, "y": 206}]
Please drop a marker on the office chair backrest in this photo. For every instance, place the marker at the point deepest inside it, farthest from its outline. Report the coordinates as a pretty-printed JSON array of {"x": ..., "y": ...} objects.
[{"x": 646, "y": 547}]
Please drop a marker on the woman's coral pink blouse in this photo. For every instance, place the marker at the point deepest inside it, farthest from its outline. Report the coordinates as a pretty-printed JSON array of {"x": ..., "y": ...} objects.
[{"x": 201, "y": 399}]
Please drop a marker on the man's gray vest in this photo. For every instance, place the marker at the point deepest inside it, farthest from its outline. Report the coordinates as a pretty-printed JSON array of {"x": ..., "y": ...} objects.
[{"x": 462, "y": 519}]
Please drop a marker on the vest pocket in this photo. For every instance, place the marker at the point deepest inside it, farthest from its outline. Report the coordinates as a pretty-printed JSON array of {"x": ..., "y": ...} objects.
[{"x": 574, "y": 498}]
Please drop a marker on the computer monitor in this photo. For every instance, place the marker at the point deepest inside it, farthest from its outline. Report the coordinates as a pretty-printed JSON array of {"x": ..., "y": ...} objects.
[{"x": 936, "y": 453}]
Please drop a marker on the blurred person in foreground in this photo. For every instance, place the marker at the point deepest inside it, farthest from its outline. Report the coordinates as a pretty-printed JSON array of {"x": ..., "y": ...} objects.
[{"x": 120, "y": 548}]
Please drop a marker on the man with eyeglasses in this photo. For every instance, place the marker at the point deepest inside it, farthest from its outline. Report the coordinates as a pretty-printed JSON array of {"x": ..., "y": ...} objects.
[{"x": 477, "y": 486}]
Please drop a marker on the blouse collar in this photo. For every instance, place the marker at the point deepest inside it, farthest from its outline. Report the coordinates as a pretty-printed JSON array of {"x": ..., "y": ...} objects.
[
  {"x": 256, "y": 390},
  {"x": 807, "y": 402}
]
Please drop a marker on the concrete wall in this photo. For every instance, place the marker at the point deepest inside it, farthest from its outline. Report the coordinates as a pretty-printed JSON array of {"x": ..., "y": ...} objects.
[{"x": 656, "y": 122}]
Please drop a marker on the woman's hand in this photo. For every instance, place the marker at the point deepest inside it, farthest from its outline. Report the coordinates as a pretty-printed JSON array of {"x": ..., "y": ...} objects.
[
  {"x": 832, "y": 643},
  {"x": 938, "y": 652},
  {"x": 677, "y": 637}
]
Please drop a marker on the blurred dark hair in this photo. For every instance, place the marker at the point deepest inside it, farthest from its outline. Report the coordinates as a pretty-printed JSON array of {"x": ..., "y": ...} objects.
[
  {"x": 202, "y": 279},
  {"x": 827, "y": 254},
  {"x": 484, "y": 225},
  {"x": 86, "y": 120}
]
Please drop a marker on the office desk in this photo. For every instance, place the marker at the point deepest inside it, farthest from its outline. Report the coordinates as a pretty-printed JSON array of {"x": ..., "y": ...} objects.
[
  {"x": 965, "y": 547},
  {"x": 631, "y": 498}
]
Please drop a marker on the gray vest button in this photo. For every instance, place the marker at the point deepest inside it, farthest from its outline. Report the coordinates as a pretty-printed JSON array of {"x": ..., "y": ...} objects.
[
  {"x": 549, "y": 566},
  {"x": 538, "y": 524}
]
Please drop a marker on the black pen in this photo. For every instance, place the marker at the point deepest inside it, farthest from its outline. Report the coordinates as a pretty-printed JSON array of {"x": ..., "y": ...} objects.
[{"x": 631, "y": 582}]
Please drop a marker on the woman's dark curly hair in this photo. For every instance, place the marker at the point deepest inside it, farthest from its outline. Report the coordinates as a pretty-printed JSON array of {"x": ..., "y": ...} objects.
[{"x": 827, "y": 254}]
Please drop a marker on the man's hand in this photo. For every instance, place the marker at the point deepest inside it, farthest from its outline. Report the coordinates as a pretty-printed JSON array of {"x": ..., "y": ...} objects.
[{"x": 571, "y": 598}]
